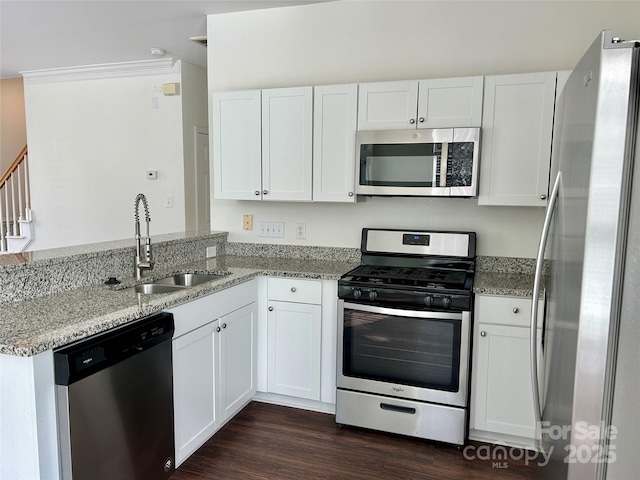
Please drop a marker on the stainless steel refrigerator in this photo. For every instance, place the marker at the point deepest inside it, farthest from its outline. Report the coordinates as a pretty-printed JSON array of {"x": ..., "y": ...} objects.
[{"x": 588, "y": 394}]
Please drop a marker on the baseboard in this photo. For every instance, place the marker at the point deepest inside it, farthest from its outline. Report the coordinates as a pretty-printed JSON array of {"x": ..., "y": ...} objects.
[{"x": 295, "y": 402}]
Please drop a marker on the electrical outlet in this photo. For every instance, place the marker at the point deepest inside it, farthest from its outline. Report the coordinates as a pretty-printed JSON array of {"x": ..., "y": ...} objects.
[
  {"x": 301, "y": 231},
  {"x": 247, "y": 222},
  {"x": 271, "y": 229}
]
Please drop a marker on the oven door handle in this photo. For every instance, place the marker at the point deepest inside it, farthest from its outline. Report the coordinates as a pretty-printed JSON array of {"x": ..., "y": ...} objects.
[{"x": 404, "y": 313}]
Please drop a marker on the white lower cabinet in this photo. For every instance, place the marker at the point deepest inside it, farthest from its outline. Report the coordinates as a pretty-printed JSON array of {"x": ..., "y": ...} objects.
[
  {"x": 237, "y": 359},
  {"x": 214, "y": 363},
  {"x": 294, "y": 340},
  {"x": 501, "y": 394},
  {"x": 297, "y": 342},
  {"x": 195, "y": 363}
]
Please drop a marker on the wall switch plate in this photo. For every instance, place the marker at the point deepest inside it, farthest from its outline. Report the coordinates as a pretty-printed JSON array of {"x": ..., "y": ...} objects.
[
  {"x": 168, "y": 201},
  {"x": 247, "y": 222},
  {"x": 271, "y": 229},
  {"x": 152, "y": 174},
  {"x": 301, "y": 231}
]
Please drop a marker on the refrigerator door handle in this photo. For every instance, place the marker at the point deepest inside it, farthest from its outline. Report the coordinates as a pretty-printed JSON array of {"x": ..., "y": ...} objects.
[{"x": 537, "y": 409}]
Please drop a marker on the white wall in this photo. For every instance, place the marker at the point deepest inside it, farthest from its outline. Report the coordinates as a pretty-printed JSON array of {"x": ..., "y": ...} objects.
[
  {"x": 13, "y": 133},
  {"x": 356, "y": 41},
  {"x": 93, "y": 134},
  {"x": 194, "y": 114}
]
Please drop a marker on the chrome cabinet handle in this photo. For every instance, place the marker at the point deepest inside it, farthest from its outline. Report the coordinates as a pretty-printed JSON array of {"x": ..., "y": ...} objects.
[
  {"x": 224, "y": 325},
  {"x": 421, "y": 120},
  {"x": 293, "y": 289},
  {"x": 516, "y": 310},
  {"x": 412, "y": 121},
  {"x": 543, "y": 197},
  {"x": 351, "y": 194},
  {"x": 217, "y": 329},
  {"x": 257, "y": 192},
  {"x": 271, "y": 309},
  {"x": 483, "y": 333},
  {"x": 264, "y": 192}
]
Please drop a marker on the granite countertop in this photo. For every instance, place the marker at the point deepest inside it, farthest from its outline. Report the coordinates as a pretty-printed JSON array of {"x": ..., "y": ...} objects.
[
  {"x": 503, "y": 283},
  {"x": 33, "y": 326}
]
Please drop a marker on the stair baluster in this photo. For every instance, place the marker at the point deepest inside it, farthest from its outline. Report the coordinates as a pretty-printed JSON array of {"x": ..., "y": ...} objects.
[{"x": 15, "y": 229}]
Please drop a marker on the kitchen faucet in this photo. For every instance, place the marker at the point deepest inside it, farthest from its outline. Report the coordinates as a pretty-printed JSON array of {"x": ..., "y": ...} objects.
[{"x": 146, "y": 263}]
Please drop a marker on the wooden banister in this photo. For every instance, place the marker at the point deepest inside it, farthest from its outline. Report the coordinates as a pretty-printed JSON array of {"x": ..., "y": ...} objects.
[{"x": 12, "y": 168}]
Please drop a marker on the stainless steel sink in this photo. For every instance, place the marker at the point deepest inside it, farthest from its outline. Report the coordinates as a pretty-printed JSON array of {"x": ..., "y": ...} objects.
[
  {"x": 187, "y": 279},
  {"x": 173, "y": 283},
  {"x": 154, "y": 288}
]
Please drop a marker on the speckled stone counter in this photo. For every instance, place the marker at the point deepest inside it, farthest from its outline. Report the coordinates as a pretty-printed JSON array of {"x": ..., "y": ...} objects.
[
  {"x": 47, "y": 272},
  {"x": 51, "y": 298},
  {"x": 504, "y": 276},
  {"x": 33, "y": 326}
]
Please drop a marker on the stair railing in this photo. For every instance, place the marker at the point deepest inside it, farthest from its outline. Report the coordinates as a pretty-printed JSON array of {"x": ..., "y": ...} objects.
[{"x": 15, "y": 201}]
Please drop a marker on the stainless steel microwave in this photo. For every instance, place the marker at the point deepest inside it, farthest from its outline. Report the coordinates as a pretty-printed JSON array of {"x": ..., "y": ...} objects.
[{"x": 424, "y": 162}]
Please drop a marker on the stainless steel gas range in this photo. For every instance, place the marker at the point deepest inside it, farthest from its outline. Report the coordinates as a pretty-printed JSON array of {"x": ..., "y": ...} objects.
[{"x": 404, "y": 325}]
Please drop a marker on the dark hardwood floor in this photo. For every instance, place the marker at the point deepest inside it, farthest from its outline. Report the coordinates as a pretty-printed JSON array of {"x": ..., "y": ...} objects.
[{"x": 272, "y": 442}]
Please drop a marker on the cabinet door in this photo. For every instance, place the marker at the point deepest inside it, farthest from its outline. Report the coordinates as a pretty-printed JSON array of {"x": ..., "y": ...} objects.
[
  {"x": 516, "y": 139},
  {"x": 387, "y": 105},
  {"x": 503, "y": 400},
  {"x": 194, "y": 389},
  {"x": 237, "y": 145},
  {"x": 294, "y": 341},
  {"x": 335, "y": 114},
  {"x": 287, "y": 119},
  {"x": 237, "y": 359},
  {"x": 450, "y": 102}
]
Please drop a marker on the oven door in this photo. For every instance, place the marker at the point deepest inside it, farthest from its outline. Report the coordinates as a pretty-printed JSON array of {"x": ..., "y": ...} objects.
[{"x": 409, "y": 354}]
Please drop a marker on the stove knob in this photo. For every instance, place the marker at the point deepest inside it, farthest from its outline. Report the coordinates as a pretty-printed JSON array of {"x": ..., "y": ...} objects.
[
  {"x": 373, "y": 295},
  {"x": 446, "y": 302},
  {"x": 428, "y": 300},
  {"x": 357, "y": 293}
]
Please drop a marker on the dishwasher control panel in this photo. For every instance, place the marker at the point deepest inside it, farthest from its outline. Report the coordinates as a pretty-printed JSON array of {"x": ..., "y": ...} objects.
[{"x": 85, "y": 357}]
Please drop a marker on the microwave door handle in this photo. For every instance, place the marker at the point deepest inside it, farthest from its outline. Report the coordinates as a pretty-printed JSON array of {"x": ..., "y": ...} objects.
[{"x": 443, "y": 164}]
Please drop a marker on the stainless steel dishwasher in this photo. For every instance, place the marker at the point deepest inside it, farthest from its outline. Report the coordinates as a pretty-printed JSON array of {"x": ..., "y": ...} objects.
[{"x": 115, "y": 403}]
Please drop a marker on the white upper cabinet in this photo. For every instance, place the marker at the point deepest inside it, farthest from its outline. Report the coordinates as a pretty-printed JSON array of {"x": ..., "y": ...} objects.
[
  {"x": 237, "y": 145},
  {"x": 450, "y": 102},
  {"x": 335, "y": 114},
  {"x": 446, "y": 102},
  {"x": 387, "y": 105},
  {"x": 287, "y": 119},
  {"x": 262, "y": 144},
  {"x": 516, "y": 139}
]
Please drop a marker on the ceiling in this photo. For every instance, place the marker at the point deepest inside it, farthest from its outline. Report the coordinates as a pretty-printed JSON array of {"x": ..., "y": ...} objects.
[{"x": 43, "y": 34}]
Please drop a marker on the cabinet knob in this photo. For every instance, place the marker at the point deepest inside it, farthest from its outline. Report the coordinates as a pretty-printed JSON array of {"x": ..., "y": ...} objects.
[
  {"x": 543, "y": 197},
  {"x": 483, "y": 334},
  {"x": 264, "y": 192},
  {"x": 224, "y": 325},
  {"x": 421, "y": 120},
  {"x": 257, "y": 192},
  {"x": 351, "y": 194},
  {"x": 217, "y": 329},
  {"x": 271, "y": 309},
  {"x": 412, "y": 121},
  {"x": 293, "y": 289},
  {"x": 516, "y": 310}
]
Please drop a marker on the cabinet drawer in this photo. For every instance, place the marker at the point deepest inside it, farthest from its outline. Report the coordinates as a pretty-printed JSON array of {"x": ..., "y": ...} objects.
[
  {"x": 294, "y": 290},
  {"x": 514, "y": 311}
]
